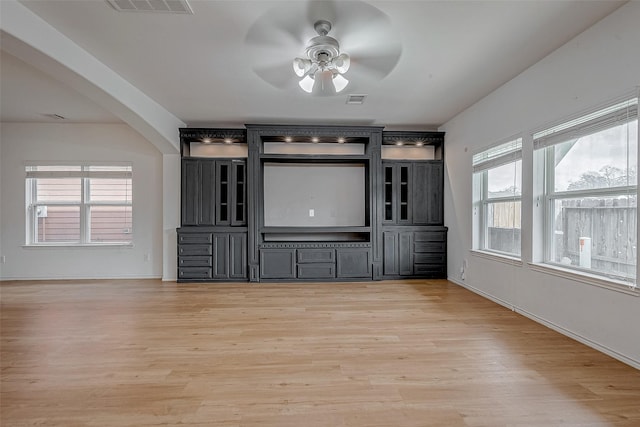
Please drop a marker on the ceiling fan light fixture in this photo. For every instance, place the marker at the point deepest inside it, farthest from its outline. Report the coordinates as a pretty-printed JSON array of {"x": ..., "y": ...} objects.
[
  {"x": 322, "y": 72},
  {"x": 306, "y": 84},
  {"x": 339, "y": 83},
  {"x": 301, "y": 66},
  {"x": 323, "y": 83},
  {"x": 342, "y": 63}
]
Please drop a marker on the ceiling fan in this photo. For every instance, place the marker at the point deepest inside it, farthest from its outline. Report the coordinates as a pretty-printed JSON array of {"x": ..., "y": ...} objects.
[
  {"x": 324, "y": 66},
  {"x": 368, "y": 49}
]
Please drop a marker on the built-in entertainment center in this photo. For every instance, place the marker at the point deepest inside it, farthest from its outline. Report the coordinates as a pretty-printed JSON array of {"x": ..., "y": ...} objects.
[{"x": 304, "y": 203}]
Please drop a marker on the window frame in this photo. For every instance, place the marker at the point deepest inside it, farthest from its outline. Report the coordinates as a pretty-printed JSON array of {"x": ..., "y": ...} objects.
[
  {"x": 84, "y": 204},
  {"x": 545, "y": 142},
  {"x": 506, "y": 152}
]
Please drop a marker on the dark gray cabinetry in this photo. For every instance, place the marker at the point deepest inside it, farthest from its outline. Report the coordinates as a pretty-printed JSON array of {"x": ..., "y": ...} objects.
[
  {"x": 211, "y": 255},
  {"x": 397, "y": 253},
  {"x": 197, "y": 192},
  {"x": 397, "y": 192},
  {"x": 315, "y": 263},
  {"x": 213, "y": 192},
  {"x": 412, "y": 192},
  {"x": 430, "y": 253},
  {"x": 278, "y": 263},
  {"x": 426, "y": 197},
  {"x": 414, "y": 253},
  {"x": 194, "y": 256},
  {"x": 353, "y": 263},
  {"x": 229, "y": 255}
]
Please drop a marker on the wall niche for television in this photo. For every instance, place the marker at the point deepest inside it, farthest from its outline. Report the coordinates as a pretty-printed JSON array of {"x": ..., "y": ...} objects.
[{"x": 315, "y": 194}]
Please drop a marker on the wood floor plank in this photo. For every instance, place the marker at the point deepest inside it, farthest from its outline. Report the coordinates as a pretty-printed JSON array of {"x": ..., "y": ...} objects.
[{"x": 395, "y": 353}]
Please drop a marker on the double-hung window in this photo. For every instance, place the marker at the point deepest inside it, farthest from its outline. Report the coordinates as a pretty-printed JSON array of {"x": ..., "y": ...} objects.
[
  {"x": 589, "y": 166},
  {"x": 497, "y": 176},
  {"x": 79, "y": 204}
]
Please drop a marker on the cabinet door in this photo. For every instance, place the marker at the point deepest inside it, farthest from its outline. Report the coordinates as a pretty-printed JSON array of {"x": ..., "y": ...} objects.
[
  {"x": 404, "y": 194},
  {"x": 388, "y": 194},
  {"x": 405, "y": 253},
  {"x": 220, "y": 255},
  {"x": 223, "y": 193},
  {"x": 390, "y": 253},
  {"x": 397, "y": 258},
  {"x": 206, "y": 215},
  {"x": 353, "y": 263},
  {"x": 427, "y": 193},
  {"x": 436, "y": 190},
  {"x": 238, "y": 192},
  {"x": 190, "y": 212},
  {"x": 238, "y": 255},
  {"x": 277, "y": 264},
  {"x": 396, "y": 193}
]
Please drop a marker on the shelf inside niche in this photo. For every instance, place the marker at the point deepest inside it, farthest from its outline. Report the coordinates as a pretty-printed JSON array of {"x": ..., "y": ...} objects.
[
  {"x": 316, "y": 234},
  {"x": 312, "y": 149}
]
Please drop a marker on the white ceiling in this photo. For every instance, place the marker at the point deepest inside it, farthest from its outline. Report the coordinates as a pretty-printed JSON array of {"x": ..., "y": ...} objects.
[{"x": 201, "y": 69}]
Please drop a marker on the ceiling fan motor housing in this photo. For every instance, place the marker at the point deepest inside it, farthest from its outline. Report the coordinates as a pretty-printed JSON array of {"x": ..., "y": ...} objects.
[{"x": 322, "y": 45}]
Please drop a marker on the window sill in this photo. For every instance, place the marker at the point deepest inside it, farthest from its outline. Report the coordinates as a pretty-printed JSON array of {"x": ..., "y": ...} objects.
[
  {"x": 494, "y": 256},
  {"x": 79, "y": 245},
  {"x": 590, "y": 279}
]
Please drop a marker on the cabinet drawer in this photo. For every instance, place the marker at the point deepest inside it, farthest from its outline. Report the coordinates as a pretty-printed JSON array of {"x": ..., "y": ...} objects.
[
  {"x": 429, "y": 258},
  {"x": 194, "y": 238},
  {"x": 437, "y": 270},
  {"x": 194, "y": 273},
  {"x": 316, "y": 255},
  {"x": 317, "y": 271},
  {"x": 429, "y": 247},
  {"x": 429, "y": 236},
  {"x": 194, "y": 250},
  {"x": 194, "y": 261}
]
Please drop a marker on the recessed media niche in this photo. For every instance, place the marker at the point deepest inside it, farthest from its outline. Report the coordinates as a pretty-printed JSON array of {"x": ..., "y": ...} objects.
[{"x": 314, "y": 195}]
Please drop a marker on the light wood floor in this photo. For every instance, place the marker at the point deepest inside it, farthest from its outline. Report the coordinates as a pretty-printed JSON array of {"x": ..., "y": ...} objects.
[{"x": 420, "y": 353}]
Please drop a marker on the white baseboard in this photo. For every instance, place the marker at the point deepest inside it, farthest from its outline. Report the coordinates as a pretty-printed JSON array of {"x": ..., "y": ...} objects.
[
  {"x": 101, "y": 277},
  {"x": 584, "y": 340}
]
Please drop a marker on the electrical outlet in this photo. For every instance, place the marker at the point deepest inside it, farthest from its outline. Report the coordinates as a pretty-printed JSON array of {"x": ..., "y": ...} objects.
[
  {"x": 3, "y": 259},
  {"x": 147, "y": 257},
  {"x": 312, "y": 212}
]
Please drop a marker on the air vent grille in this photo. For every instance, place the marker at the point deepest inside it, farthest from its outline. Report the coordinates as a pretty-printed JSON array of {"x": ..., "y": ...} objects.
[
  {"x": 356, "y": 99},
  {"x": 163, "y": 6}
]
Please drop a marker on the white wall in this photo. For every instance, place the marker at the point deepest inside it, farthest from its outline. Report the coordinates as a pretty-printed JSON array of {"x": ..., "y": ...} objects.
[
  {"x": 22, "y": 142},
  {"x": 599, "y": 64}
]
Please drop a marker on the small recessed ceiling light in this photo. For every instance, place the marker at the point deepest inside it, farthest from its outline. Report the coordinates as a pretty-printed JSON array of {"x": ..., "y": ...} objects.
[
  {"x": 341, "y": 140},
  {"x": 398, "y": 143},
  {"x": 206, "y": 140},
  {"x": 315, "y": 139},
  {"x": 288, "y": 139},
  {"x": 419, "y": 143},
  {"x": 228, "y": 140}
]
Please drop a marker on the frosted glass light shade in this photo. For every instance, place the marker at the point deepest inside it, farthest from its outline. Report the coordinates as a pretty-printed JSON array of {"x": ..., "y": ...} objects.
[
  {"x": 340, "y": 83},
  {"x": 306, "y": 84}
]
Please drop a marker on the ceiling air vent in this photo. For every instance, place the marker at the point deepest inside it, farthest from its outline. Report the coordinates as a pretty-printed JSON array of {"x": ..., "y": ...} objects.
[
  {"x": 356, "y": 99},
  {"x": 164, "y": 6}
]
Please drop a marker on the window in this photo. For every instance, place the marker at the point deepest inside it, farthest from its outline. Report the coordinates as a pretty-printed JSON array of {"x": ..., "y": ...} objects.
[
  {"x": 590, "y": 193},
  {"x": 79, "y": 204},
  {"x": 497, "y": 176}
]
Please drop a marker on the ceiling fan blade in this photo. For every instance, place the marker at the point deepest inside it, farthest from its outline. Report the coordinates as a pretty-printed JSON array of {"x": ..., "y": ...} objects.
[
  {"x": 281, "y": 27},
  {"x": 376, "y": 64},
  {"x": 280, "y": 76}
]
